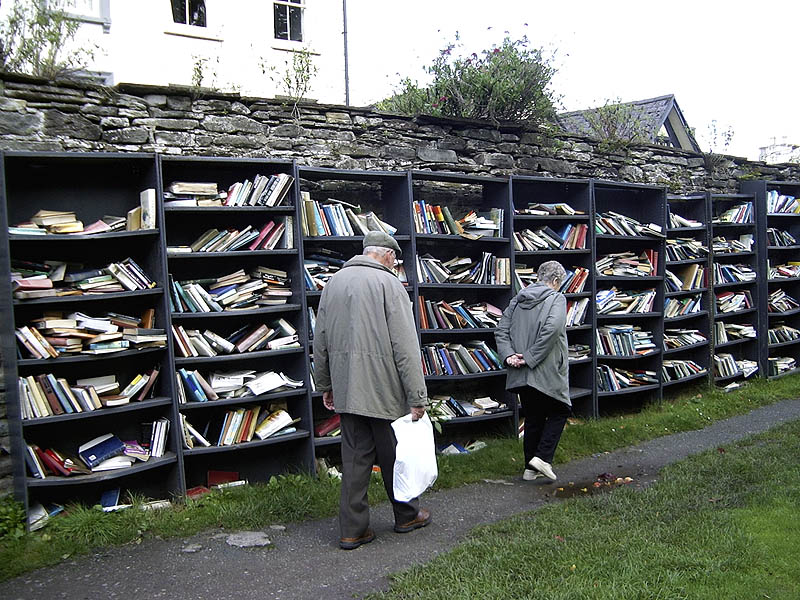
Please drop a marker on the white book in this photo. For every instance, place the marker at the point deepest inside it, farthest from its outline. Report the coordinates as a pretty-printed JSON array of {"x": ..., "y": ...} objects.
[{"x": 147, "y": 199}]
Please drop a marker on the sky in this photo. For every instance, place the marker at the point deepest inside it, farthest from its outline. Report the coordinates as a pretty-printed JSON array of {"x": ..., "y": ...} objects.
[{"x": 732, "y": 65}]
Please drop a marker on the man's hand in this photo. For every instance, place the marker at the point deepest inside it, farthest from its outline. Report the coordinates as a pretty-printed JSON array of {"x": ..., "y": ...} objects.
[
  {"x": 327, "y": 400},
  {"x": 417, "y": 412},
  {"x": 515, "y": 360}
]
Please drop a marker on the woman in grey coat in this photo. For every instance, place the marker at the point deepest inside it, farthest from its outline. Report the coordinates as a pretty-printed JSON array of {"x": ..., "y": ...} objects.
[{"x": 532, "y": 339}]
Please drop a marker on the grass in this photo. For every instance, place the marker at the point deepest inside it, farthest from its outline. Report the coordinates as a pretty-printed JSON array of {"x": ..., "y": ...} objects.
[
  {"x": 720, "y": 525},
  {"x": 300, "y": 497}
]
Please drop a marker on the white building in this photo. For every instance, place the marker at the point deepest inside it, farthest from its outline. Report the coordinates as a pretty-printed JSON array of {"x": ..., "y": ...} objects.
[
  {"x": 240, "y": 46},
  {"x": 779, "y": 152}
]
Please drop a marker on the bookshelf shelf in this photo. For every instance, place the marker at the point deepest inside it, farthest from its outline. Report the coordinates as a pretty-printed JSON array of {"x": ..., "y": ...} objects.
[
  {"x": 263, "y": 398},
  {"x": 621, "y": 278},
  {"x": 686, "y": 348},
  {"x": 690, "y": 261},
  {"x": 576, "y": 393},
  {"x": 735, "y": 313},
  {"x": 784, "y": 374},
  {"x": 606, "y": 357},
  {"x": 784, "y": 314},
  {"x": 694, "y": 377},
  {"x": 544, "y": 218},
  {"x": 685, "y": 292},
  {"x": 725, "y": 378},
  {"x": 733, "y": 343},
  {"x": 631, "y": 390},
  {"x": 76, "y": 237},
  {"x": 92, "y": 298},
  {"x": 505, "y": 414},
  {"x": 255, "y": 443},
  {"x": 700, "y": 314},
  {"x": 214, "y": 210},
  {"x": 233, "y": 358},
  {"x": 793, "y": 248},
  {"x": 101, "y": 412},
  {"x": 464, "y": 332},
  {"x": 647, "y": 315},
  {"x": 467, "y": 377},
  {"x": 671, "y": 231},
  {"x": 580, "y": 361},
  {"x": 234, "y": 254},
  {"x": 327, "y": 441},
  {"x": 50, "y": 481},
  {"x": 732, "y": 284},
  {"x": 428, "y": 238},
  {"x": 784, "y": 344},
  {"x": 83, "y": 358},
  {"x": 267, "y": 310},
  {"x": 565, "y": 253},
  {"x": 461, "y": 286},
  {"x": 733, "y": 255}
]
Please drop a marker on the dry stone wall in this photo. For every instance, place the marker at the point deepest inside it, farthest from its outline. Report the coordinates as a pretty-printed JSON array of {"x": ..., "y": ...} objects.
[{"x": 37, "y": 115}]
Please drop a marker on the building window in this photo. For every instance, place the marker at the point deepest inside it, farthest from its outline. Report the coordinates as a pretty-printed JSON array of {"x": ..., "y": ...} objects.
[
  {"x": 289, "y": 20},
  {"x": 189, "y": 12}
]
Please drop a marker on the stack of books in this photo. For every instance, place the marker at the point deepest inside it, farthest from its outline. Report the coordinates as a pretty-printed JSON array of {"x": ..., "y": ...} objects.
[
  {"x": 733, "y": 273},
  {"x": 727, "y": 366},
  {"x": 788, "y": 271},
  {"x": 780, "y": 364},
  {"x": 618, "y": 302},
  {"x": 628, "y": 264},
  {"x": 195, "y": 387},
  {"x": 475, "y": 356},
  {"x": 489, "y": 270},
  {"x": 728, "y": 332},
  {"x": 730, "y": 302},
  {"x": 337, "y": 218},
  {"x": 780, "y": 237},
  {"x": 612, "y": 223},
  {"x": 57, "y": 335},
  {"x": 676, "y": 221},
  {"x": 319, "y": 266},
  {"x": 540, "y": 209},
  {"x": 624, "y": 340},
  {"x": 46, "y": 279},
  {"x": 457, "y": 314},
  {"x": 675, "y": 370},
  {"x": 691, "y": 277},
  {"x": 47, "y": 395},
  {"x": 679, "y": 338},
  {"x": 488, "y": 224},
  {"x": 611, "y": 379},
  {"x": 249, "y": 338},
  {"x": 263, "y": 190},
  {"x": 783, "y": 333},
  {"x": 241, "y": 424},
  {"x": 267, "y": 237},
  {"x": 576, "y": 311},
  {"x": 578, "y": 352},
  {"x": 570, "y": 237},
  {"x": 678, "y": 307},
  {"x": 444, "y": 407},
  {"x": 263, "y": 286},
  {"x": 685, "y": 249},
  {"x": 779, "y": 301},
  {"x": 723, "y": 245},
  {"x": 740, "y": 214},
  {"x": 781, "y": 204}
]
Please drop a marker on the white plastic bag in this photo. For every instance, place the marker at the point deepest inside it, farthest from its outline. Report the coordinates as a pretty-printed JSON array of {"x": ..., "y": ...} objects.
[{"x": 415, "y": 467}]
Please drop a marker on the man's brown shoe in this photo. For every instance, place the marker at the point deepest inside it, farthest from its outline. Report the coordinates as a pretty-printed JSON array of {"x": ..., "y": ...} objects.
[
  {"x": 351, "y": 543},
  {"x": 423, "y": 518}
]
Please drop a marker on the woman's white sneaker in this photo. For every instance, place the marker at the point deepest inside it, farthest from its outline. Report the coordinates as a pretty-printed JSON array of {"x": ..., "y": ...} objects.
[{"x": 544, "y": 468}]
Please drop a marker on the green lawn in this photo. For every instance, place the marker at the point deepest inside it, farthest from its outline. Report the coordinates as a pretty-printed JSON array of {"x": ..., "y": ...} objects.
[
  {"x": 721, "y": 525},
  {"x": 300, "y": 497}
]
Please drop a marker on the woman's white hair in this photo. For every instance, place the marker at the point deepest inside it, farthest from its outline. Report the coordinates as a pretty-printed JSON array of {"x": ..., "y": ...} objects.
[{"x": 550, "y": 271}]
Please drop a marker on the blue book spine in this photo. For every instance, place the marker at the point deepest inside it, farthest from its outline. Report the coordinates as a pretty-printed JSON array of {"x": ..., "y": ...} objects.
[{"x": 62, "y": 398}]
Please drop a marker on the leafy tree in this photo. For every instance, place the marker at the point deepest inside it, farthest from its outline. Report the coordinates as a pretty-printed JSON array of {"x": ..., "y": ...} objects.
[
  {"x": 509, "y": 82},
  {"x": 34, "y": 39}
]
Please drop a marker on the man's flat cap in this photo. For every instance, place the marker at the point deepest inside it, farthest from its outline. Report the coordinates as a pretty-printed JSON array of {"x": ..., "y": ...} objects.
[{"x": 382, "y": 240}]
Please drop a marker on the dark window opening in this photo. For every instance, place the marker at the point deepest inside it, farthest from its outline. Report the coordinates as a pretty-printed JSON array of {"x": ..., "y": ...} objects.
[
  {"x": 191, "y": 12},
  {"x": 288, "y": 17}
]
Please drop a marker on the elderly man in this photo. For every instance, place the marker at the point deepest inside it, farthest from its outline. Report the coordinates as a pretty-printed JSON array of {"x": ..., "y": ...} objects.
[{"x": 367, "y": 365}]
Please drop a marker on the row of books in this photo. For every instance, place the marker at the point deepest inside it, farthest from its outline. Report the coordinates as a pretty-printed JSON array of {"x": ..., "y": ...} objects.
[
  {"x": 779, "y": 301},
  {"x": 576, "y": 311},
  {"x": 263, "y": 190},
  {"x": 66, "y": 222},
  {"x": 681, "y": 338},
  {"x": 548, "y": 209},
  {"x": 624, "y": 340},
  {"x": 685, "y": 249},
  {"x": 269, "y": 237},
  {"x": 783, "y": 333},
  {"x": 263, "y": 286},
  {"x": 618, "y": 302},
  {"x": 612, "y": 379},
  {"x": 489, "y": 270},
  {"x": 337, "y": 218},
  {"x": 571, "y": 237},
  {"x": 444, "y": 407},
  {"x": 195, "y": 387},
  {"x": 457, "y": 314},
  {"x": 728, "y": 332},
  {"x": 733, "y": 273},
  {"x": 725, "y": 365},
  {"x": 780, "y": 364},
  {"x": 691, "y": 277},
  {"x": 780, "y": 237},
  {"x": 722, "y": 245},
  {"x": 679, "y": 307},
  {"x": 740, "y": 214},
  {"x": 729, "y": 302},
  {"x": 675, "y": 370},
  {"x": 675, "y": 220},
  {"x": 240, "y": 425},
  {"x": 613, "y": 223},
  {"x": 248, "y": 338},
  {"x": 475, "y": 356},
  {"x": 433, "y": 218},
  {"x": 46, "y": 395},
  {"x": 54, "y": 335},
  {"x": 47, "y": 279},
  {"x": 628, "y": 264},
  {"x": 781, "y": 203},
  {"x": 790, "y": 270}
]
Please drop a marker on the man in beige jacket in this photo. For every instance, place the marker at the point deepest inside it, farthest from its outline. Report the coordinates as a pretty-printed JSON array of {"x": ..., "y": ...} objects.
[{"x": 367, "y": 364}]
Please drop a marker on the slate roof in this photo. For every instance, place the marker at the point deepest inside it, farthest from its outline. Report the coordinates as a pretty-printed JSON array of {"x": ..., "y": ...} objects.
[{"x": 653, "y": 114}]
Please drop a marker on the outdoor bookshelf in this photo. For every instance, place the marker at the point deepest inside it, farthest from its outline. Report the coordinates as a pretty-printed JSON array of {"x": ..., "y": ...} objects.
[
  {"x": 688, "y": 225},
  {"x": 775, "y": 217},
  {"x": 647, "y": 205},
  {"x": 532, "y": 191},
  {"x": 743, "y": 227}
]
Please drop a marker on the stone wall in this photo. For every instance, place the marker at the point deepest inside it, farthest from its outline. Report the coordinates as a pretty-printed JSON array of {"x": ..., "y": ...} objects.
[{"x": 38, "y": 115}]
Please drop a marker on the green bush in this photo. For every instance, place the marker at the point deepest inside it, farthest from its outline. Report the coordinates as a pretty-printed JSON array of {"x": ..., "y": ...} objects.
[
  {"x": 510, "y": 82},
  {"x": 12, "y": 518}
]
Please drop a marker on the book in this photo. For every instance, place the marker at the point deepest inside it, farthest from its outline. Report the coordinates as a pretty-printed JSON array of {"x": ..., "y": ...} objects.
[
  {"x": 147, "y": 201},
  {"x": 99, "y": 449}
]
